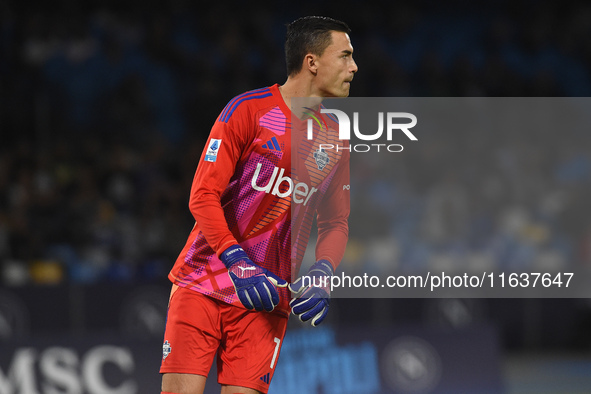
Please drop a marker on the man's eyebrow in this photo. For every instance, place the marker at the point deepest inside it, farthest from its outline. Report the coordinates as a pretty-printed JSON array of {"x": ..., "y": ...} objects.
[{"x": 346, "y": 52}]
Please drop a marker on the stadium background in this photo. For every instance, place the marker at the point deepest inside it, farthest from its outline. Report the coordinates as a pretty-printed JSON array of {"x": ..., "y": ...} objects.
[{"x": 104, "y": 110}]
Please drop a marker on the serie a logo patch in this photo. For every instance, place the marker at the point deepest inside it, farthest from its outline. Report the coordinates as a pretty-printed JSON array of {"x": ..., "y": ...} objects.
[{"x": 212, "y": 150}]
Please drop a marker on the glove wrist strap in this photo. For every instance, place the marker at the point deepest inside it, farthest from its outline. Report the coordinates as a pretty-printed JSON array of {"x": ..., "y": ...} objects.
[{"x": 232, "y": 255}]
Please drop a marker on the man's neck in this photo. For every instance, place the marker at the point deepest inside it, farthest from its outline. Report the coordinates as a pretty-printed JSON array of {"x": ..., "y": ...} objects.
[{"x": 298, "y": 87}]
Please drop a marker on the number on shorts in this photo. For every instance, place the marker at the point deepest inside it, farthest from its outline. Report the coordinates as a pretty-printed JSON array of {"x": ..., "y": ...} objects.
[{"x": 277, "y": 342}]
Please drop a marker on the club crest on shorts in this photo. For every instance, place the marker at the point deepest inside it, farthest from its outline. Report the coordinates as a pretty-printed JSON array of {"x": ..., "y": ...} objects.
[
  {"x": 166, "y": 348},
  {"x": 321, "y": 158}
]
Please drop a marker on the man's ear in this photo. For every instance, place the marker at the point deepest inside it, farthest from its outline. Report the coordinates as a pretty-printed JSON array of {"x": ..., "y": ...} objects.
[{"x": 311, "y": 63}]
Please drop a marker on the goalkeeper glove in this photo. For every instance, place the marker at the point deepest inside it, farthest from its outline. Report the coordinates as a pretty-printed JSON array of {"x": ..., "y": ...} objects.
[
  {"x": 254, "y": 285},
  {"x": 312, "y": 298}
]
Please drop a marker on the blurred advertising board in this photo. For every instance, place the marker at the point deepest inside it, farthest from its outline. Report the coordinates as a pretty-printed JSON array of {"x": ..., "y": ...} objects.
[{"x": 405, "y": 359}]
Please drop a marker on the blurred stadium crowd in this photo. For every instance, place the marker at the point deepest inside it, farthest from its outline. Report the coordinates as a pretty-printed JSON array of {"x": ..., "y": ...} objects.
[{"x": 104, "y": 112}]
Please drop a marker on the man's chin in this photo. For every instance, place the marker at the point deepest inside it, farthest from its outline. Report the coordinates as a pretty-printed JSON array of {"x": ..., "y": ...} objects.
[
  {"x": 339, "y": 94},
  {"x": 346, "y": 89}
]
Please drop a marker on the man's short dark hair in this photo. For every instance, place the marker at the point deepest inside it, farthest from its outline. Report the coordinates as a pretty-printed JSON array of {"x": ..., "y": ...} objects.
[{"x": 310, "y": 34}]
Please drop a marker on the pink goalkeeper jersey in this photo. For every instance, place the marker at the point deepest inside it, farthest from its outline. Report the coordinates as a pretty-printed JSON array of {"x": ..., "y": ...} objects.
[{"x": 252, "y": 187}]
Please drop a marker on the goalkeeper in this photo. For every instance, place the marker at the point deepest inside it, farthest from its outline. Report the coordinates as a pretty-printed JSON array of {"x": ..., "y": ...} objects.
[{"x": 254, "y": 199}]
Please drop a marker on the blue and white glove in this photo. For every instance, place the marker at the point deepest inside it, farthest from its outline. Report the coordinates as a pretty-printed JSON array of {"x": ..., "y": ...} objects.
[
  {"x": 255, "y": 286},
  {"x": 312, "y": 295}
]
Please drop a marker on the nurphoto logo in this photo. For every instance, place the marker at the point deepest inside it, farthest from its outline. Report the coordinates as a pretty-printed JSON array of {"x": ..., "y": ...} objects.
[{"x": 345, "y": 130}]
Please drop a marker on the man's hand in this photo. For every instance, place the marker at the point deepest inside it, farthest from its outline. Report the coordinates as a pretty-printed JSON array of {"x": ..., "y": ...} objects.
[
  {"x": 255, "y": 286},
  {"x": 312, "y": 296}
]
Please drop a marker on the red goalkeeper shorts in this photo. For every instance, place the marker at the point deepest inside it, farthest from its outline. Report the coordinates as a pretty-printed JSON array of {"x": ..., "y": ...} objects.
[{"x": 247, "y": 343}]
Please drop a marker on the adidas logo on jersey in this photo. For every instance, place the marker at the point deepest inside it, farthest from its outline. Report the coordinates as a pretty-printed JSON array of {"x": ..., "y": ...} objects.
[
  {"x": 272, "y": 144},
  {"x": 301, "y": 191}
]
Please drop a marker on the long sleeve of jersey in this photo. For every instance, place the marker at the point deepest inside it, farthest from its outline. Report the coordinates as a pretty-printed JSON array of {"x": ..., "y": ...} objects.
[
  {"x": 212, "y": 177},
  {"x": 333, "y": 215}
]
